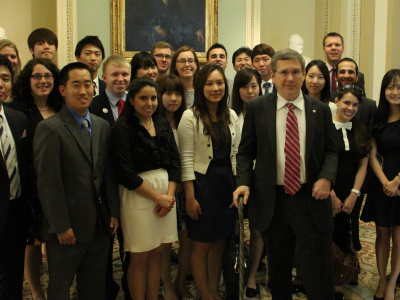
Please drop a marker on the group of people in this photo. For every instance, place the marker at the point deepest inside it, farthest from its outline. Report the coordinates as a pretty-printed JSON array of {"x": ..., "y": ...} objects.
[{"x": 159, "y": 150}]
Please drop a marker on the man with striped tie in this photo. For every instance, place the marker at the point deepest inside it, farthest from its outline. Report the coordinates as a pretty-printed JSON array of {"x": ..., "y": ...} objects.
[
  {"x": 290, "y": 135},
  {"x": 14, "y": 150}
]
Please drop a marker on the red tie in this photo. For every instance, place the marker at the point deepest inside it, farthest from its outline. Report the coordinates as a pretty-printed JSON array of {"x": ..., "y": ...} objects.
[
  {"x": 121, "y": 104},
  {"x": 333, "y": 80},
  {"x": 292, "y": 152}
]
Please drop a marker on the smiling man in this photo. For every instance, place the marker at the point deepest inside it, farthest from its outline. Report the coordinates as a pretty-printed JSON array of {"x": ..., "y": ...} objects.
[
  {"x": 291, "y": 136},
  {"x": 77, "y": 189},
  {"x": 241, "y": 58},
  {"x": 162, "y": 52},
  {"x": 43, "y": 43},
  {"x": 90, "y": 51}
]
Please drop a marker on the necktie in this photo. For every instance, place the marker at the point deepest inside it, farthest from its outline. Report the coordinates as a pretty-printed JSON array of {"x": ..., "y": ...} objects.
[
  {"x": 86, "y": 135},
  {"x": 10, "y": 158},
  {"x": 344, "y": 126},
  {"x": 121, "y": 104},
  {"x": 292, "y": 152},
  {"x": 266, "y": 86},
  {"x": 333, "y": 80},
  {"x": 94, "y": 85}
]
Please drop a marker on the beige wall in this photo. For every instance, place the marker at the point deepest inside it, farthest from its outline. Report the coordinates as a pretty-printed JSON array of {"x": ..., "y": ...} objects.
[
  {"x": 393, "y": 41},
  {"x": 281, "y": 19}
]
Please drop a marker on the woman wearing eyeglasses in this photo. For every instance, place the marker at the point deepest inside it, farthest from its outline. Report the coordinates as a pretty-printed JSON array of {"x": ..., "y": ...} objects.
[
  {"x": 36, "y": 94},
  {"x": 383, "y": 201},
  {"x": 185, "y": 65}
]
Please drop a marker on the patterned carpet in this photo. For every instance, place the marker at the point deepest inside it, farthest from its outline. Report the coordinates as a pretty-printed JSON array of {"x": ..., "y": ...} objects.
[{"x": 368, "y": 279}]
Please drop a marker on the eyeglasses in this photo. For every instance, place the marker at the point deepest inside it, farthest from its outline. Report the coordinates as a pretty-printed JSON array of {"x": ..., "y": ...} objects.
[
  {"x": 184, "y": 61},
  {"x": 286, "y": 73},
  {"x": 161, "y": 56},
  {"x": 350, "y": 87},
  {"x": 39, "y": 77}
]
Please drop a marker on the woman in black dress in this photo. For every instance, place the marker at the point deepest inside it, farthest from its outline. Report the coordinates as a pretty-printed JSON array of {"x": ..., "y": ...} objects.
[
  {"x": 36, "y": 94},
  {"x": 383, "y": 202},
  {"x": 208, "y": 142}
]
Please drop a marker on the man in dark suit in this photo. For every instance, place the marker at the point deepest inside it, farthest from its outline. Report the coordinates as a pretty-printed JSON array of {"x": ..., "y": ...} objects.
[
  {"x": 333, "y": 47},
  {"x": 347, "y": 74},
  {"x": 77, "y": 189},
  {"x": 290, "y": 135},
  {"x": 261, "y": 58},
  {"x": 14, "y": 150},
  {"x": 90, "y": 51}
]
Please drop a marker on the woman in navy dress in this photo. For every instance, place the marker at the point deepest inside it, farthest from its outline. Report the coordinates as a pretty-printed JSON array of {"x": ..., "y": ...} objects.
[
  {"x": 208, "y": 141},
  {"x": 383, "y": 202}
]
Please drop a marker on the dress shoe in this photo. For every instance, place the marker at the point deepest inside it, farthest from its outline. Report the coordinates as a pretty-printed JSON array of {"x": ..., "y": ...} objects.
[
  {"x": 339, "y": 296},
  {"x": 251, "y": 293},
  {"x": 297, "y": 288}
]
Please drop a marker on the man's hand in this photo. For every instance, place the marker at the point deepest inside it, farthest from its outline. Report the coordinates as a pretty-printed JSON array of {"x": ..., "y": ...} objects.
[
  {"x": 321, "y": 189},
  {"x": 160, "y": 31},
  {"x": 200, "y": 36},
  {"x": 114, "y": 224},
  {"x": 241, "y": 190},
  {"x": 67, "y": 238}
]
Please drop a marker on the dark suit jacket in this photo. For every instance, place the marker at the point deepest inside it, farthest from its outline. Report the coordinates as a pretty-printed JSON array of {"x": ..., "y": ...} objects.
[
  {"x": 18, "y": 125},
  {"x": 366, "y": 110},
  {"x": 102, "y": 86},
  {"x": 259, "y": 142},
  {"x": 361, "y": 82},
  {"x": 101, "y": 107},
  {"x": 75, "y": 187}
]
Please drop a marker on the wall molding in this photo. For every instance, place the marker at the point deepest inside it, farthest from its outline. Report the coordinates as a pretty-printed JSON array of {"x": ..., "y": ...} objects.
[
  {"x": 66, "y": 31},
  {"x": 253, "y": 22}
]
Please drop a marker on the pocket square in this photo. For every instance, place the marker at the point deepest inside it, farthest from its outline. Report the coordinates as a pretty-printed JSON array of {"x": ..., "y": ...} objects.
[{"x": 23, "y": 134}]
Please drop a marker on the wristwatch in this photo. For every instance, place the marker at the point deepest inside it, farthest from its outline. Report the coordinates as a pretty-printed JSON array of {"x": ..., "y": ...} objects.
[{"x": 357, "y": 192}]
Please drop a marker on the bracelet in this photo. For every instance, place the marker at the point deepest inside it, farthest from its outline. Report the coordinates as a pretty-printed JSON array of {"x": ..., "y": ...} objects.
[{"x": 357, "y": 192}]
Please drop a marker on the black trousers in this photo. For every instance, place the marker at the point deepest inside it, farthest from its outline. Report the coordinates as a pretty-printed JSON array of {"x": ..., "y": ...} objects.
[{"x": 292, "y": 226}]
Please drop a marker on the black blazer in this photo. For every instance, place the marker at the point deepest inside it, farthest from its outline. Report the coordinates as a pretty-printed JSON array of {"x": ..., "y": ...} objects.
[
  {"x": 101, "y": 107},
  {"x": 259, "y": 142},
  {"x": 18, "y": 125}
]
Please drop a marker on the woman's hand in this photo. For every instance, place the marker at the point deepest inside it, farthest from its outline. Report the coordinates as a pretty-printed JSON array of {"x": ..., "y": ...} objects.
[
  {"x": 160, "y": 211},
  {"x": 166, "y": 201},
  {"x": 336, "y": 205},
  {"x": 193, "y": 208},
  {"x": 348, "y": 204},
  {"x": 391, "y": 188}
]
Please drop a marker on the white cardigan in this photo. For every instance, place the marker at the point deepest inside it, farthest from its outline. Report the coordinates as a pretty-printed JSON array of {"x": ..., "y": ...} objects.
[{"x": 196, "y": 148}]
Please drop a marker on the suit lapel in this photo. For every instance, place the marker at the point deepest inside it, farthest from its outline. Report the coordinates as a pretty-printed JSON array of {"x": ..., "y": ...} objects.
[
  {"x": 360, "y": 108},
  {"x": 311, "y": 115},
  {"x": 270, "y": 104},
  {"x": 74, "y": 129},
  {"x": 95, "y": 140},
  {"x": 106, "y": 106},
  {"x": 14, "y": 127}
]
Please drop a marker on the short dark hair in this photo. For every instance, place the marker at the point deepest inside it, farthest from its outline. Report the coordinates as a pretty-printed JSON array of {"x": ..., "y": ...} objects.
[
  {"x": 326, "y": 90},
  {"x": 89, "y": 40},
  {"x": 41, "y": 35},
  {"x": 4, "y": 61},
  {"x": 64, "y": 73},
  {"x": 242, "y": 78},
  {"x": 22, "y": 90},
  {"x": 332, "y": 34},
  {"x": 140, "y": 60},
  {"x": 161, "y": 45},
  {"x": 241, "y": 50},
  {"x": 262, "y": 49},
  {"x": 216, "y": 46},
  {"x": 346, "y": 59}
]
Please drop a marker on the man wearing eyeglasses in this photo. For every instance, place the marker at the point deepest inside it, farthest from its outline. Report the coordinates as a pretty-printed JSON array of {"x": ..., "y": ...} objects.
[
  {"x": 162, "y": 52},
  {"x": 291, "y": 136},
  {"x": 347, "y": 74}
]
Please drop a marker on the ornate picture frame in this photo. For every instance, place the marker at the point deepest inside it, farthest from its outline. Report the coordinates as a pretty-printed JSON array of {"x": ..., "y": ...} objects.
[{"x": 143, "y": 39}]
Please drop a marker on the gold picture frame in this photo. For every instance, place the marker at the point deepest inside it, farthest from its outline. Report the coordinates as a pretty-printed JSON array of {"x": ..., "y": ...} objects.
[{"x": 118, "y": 32}]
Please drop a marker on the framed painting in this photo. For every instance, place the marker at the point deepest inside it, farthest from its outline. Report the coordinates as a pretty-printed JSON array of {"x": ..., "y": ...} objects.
[{"x": 137, "y": 24}]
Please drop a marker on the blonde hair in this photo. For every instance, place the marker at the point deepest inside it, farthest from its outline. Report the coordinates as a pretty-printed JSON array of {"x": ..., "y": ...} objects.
[
  {"x": 117, "y": 60},
  {"x": 7, "y": 43}
]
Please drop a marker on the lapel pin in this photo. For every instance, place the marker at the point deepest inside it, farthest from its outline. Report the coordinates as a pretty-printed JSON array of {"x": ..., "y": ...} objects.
[
  {"x": 314, "y": 111},
  {"x": 105, "y": 110}
]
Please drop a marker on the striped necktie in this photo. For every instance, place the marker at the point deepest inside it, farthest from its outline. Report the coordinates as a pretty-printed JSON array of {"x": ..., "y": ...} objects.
[
  {"x": 10, "y": 158},
  {"x": 292, "y": 152},
  {"x": 266, "y": 86}
]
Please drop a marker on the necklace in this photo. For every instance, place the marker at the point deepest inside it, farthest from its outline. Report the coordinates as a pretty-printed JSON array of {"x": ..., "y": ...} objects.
[
  {"x": 43, "y": 109},
  {"x": 151, "y": 124}
]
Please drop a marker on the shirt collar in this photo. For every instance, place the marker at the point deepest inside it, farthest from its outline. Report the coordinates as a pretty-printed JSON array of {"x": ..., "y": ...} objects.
[
  {"x": 79, "y": 119},
  {"x": 114, "y": 99},
  {"x": 299, "y": 102},
  {"x": 329, "y": 67}
]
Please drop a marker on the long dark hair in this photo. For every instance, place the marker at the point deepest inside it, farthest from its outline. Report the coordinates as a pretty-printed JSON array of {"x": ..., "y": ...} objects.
[
  {"x": 141, "y": 60},
  {"x": 200, "y": 108},
  {"x": 242, "y": 78},
  {"x": 22, "y": 91},
  {"x": 171, "y": 83},
  {"x": 134, "y": 88},
  {"x": 383, "y": 112},
  {"x": 173, "y": 70},
  {"x": 326, "y": 90},
  {"x": 360, "y": 130}
]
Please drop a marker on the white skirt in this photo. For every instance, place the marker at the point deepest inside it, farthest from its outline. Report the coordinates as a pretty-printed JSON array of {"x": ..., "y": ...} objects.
[{"x": 142, "y": 229}]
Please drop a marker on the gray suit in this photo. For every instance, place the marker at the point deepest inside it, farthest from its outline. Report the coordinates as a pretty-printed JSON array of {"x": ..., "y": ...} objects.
[{"x": 77, "y": 190}]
